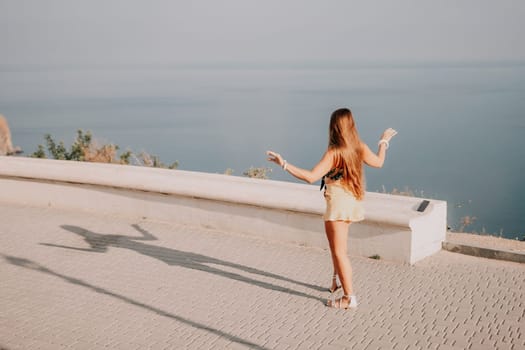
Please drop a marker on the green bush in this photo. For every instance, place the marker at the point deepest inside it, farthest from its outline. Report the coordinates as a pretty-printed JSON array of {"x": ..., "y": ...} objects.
[
  {"x": 84, "y": 148},
  {"x": 59, "y": 151}
]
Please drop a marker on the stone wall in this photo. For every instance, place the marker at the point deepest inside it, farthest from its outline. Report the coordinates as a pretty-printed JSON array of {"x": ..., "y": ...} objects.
[{"x": 276, "y": 210}]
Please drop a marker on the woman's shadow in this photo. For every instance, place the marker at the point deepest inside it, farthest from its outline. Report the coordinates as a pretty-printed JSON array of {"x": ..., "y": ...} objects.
[{"x": 99, "y": 243}]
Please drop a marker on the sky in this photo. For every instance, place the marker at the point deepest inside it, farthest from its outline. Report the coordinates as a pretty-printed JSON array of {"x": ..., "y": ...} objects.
[{"x": 197, "y": 31}]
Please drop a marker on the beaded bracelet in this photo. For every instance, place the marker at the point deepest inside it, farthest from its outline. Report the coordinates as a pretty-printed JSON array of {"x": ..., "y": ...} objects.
[{"x": 385, "y": 142}]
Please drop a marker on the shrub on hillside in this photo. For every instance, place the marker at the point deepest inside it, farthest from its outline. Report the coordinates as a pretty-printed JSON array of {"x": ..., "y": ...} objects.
[
  {"x": 258, "y": 173},
  {"x": 85, "y": 149}
]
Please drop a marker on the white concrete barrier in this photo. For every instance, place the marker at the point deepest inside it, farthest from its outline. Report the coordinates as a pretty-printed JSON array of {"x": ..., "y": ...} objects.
[{"x": 393, "y": 229}]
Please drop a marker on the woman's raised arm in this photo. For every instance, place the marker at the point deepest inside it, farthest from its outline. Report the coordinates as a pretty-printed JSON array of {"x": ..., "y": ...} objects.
[
  {"x": 377, "y": 160},
  {"x": 310, "y": 176}
]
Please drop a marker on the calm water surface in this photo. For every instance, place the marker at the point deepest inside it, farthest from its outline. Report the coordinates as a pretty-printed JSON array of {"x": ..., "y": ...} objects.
[{"x": 461, "y": 128}]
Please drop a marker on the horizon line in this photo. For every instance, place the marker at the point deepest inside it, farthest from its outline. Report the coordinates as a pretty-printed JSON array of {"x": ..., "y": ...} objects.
[{"x": 268, "y": 64}]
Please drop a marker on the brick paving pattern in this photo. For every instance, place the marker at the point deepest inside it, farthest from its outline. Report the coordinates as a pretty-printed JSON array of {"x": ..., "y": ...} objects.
[{"x": 71, "y": 280}]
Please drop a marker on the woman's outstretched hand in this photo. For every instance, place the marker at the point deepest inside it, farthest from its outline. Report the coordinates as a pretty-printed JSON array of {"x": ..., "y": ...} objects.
[
  {"x": 388, "y": 134},
  {"x": 275, "y": 157}
]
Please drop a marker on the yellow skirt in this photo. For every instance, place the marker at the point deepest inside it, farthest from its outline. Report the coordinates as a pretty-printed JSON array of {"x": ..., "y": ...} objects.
[{"x": 341, "y": 205}]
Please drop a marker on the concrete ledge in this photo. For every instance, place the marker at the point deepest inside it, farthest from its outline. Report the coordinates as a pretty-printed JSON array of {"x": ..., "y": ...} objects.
[
  {"x": 484, "y": 252},
  {"x": 393, "y": 229}
]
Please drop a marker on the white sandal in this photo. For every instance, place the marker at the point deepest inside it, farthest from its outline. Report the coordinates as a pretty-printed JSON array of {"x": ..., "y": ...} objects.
[{"x": 338, "y": 304}]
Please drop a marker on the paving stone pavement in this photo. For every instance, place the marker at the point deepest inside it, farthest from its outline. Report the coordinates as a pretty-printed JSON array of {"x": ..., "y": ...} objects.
[{"x": 71, "y": 280}]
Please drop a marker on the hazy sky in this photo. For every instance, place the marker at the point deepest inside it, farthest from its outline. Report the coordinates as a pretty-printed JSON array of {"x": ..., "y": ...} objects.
[{"x": 171, "y": 31}]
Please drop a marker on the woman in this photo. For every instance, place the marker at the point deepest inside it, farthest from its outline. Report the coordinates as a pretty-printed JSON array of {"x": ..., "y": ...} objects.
[{"x": 342, "y": 175}]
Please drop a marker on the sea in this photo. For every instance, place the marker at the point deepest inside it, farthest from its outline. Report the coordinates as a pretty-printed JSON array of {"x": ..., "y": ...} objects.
[{"x": 461, "y": 126}]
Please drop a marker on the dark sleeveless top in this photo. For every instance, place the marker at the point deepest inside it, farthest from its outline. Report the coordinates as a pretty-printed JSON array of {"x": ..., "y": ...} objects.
[{"x": 334, "y": 174}]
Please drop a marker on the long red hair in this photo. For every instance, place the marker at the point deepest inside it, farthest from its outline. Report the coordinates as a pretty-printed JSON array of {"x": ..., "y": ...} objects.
[{"x": 345, "y": 143}]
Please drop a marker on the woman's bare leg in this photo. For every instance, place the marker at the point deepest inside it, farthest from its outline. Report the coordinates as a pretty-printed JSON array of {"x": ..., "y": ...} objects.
[
  {"x": 337, "y": 234},
  {"x": 334, "y": 284},
  {"x": 332, "y": 255}
]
